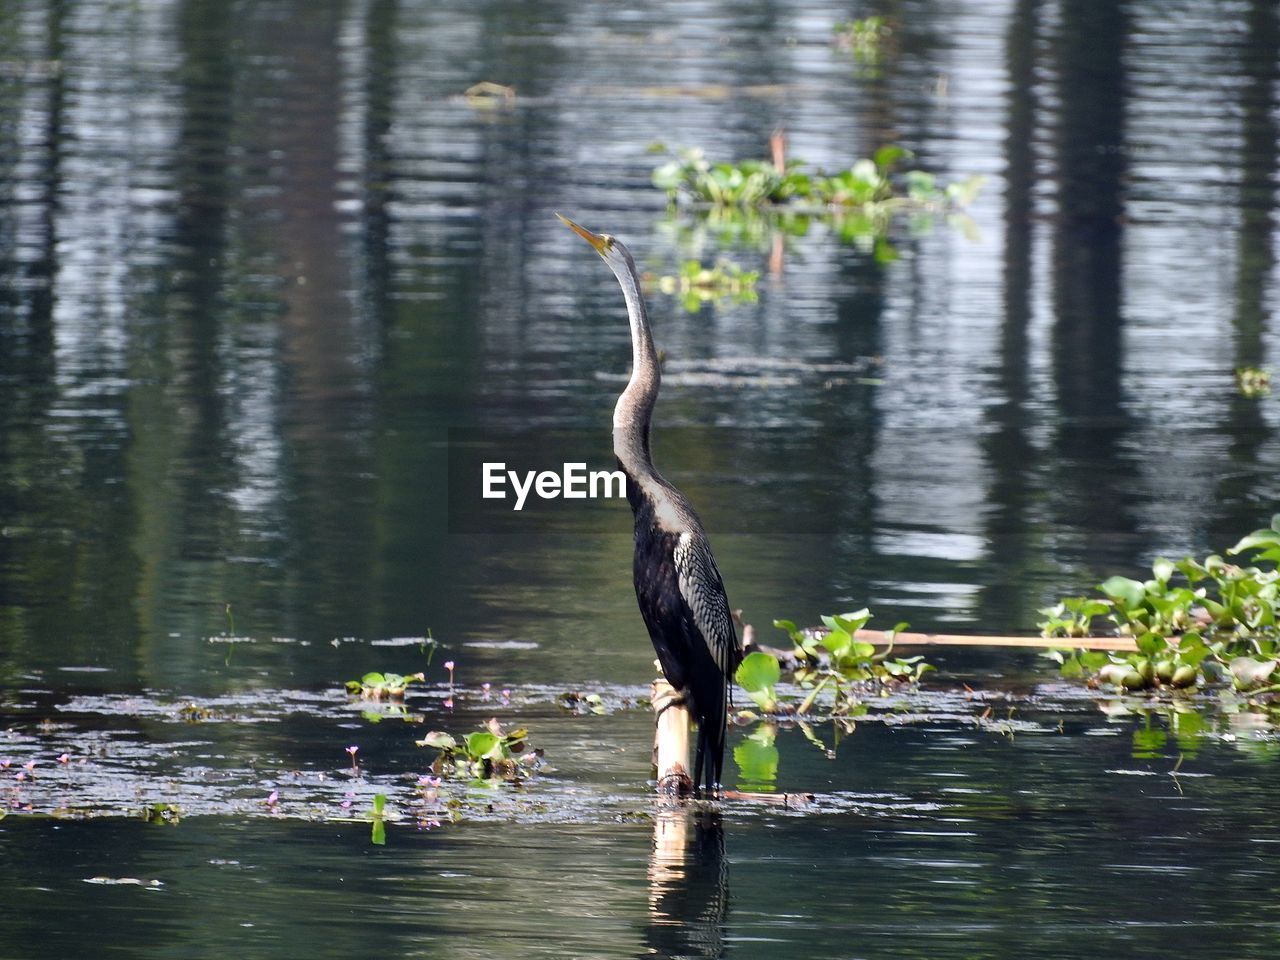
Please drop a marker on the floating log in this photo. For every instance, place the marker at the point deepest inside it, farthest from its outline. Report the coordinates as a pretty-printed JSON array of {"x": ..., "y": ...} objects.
[
  {"x": 880, "y": 638},
  {"x": 790, "y": 800}
]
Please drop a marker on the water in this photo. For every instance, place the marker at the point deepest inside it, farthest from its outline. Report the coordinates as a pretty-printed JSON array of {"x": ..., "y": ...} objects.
[{"x": 257, "y": 263}]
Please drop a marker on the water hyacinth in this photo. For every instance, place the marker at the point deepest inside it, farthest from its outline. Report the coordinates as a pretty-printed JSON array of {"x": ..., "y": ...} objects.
[{"x": 1193, "y": 623}]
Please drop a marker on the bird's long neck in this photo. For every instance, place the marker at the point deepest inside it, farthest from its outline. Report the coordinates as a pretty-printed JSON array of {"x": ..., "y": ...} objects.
[{"x": 634, "y": 410}]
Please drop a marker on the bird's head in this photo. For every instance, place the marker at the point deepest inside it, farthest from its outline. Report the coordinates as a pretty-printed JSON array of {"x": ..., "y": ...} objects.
[{"x": 611, "y": 249}]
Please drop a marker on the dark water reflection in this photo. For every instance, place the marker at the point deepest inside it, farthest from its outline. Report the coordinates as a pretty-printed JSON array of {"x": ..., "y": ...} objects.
[{"x": 256, "y": 262}]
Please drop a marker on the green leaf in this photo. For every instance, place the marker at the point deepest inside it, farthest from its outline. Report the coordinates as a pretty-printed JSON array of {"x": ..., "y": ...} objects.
[
  {"x": 1093, "y": 659},
  {"x": 1163, "y": 569},
  {"x": 1151, "y": 644},
  {"x": 884, "y": 251},
  {"x": 483, "y": 745},
  {"x": 851, "y": 623},
  {"x": 1192, "y": 650},
  {"x": 379, "y": 804},
  {"x": 1124, "y": 591},
  {"x": 836, "y": 642},
  {"x": 373, "y": 679},
  {"x": 757, "y": 672},
  {"x": 1248, "y": 672},
  {"x": 378, "y": 835},
  {"x": 1259, "y": 538},
  {"x": 861, "y": 650},
  {"x": 888, "y": 155}
]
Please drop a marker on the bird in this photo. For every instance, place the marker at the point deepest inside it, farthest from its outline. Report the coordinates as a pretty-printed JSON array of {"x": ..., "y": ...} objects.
[{"x": 678, "y": 585}]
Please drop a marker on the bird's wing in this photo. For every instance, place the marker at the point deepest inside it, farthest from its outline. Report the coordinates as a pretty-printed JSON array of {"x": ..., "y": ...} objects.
[{"x": 703, "y": 591}]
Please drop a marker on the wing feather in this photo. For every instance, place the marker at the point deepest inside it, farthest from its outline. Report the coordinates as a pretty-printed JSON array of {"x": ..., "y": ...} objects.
[{"x": 702, "y": 589}]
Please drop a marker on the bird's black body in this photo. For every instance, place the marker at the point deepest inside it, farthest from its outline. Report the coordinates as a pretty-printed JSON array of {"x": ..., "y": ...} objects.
[
  {"x": 684, "y": 605},
  {"x": 678, "y": 586}
]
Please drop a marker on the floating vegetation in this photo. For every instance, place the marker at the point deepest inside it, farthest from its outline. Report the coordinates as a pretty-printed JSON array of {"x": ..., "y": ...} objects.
[
  {"x": 758, "y": 675},
  {"x": 488, "y": 754},
  {"x": 864, "y": 38},
  {"x": 379, "y": 686},
  {"x": 378, "y": 819},
  {"x": 577, "y": 702},
  {"x": 162, "y": 813},
  {"x": 690, "y": 177},
  {"x": 831, "y": 660},
  {"x": 487, "y": 95},
  {"x": 725, "y": 282},
  {"x": 1193, "y": 623},
  {"x": 1253, "y": 382},
  {"x": 759, "y": 203}
]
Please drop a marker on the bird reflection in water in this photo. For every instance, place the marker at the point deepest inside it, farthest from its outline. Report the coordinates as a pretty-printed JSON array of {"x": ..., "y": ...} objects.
[{"x": 688, "y": 885}]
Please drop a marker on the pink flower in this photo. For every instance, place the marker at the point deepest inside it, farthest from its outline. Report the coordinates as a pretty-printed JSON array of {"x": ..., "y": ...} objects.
[
  {"x": 273, "y": 798},
  {"x": 448, "y": 703},
  {"x": 65, "y": 758},
  {"x": 29, "y": 765},
  {"x": 352, "y": 750}
]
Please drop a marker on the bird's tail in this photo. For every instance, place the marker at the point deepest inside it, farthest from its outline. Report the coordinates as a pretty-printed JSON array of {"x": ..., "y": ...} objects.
[{"x": 708, "y": 764}]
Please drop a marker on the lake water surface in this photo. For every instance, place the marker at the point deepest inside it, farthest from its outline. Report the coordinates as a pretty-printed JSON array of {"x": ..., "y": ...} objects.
[{"x": 260, "y": 262}]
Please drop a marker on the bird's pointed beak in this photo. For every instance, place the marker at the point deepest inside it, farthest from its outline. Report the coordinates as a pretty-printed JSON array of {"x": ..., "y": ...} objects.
[{"x": 594, "y": 239}]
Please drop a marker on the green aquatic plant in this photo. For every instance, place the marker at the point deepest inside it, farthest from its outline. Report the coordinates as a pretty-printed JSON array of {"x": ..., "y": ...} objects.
[
  {"x": 1253, "y": 382},
  {"x": 1193, "y": 622},
  {"x": 758, "y": 675},
  {"x": 837, "y": 656},
  {"x": 723, "y": 282},
  {"x": 488, "y": 754},
  {"x": 377, "y": 816},
  {"x": 161, "y": 813},
  {"x": 377, "y": 686},
  {"x": 864, "y": 38},
  {"x": 690, "y": 177},
  {"x": 833, "y": 660},
  {"x": 576, "y": 701}
]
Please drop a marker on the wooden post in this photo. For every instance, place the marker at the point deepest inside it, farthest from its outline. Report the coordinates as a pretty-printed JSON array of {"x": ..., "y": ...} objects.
[{"x": 671, "y": 743}]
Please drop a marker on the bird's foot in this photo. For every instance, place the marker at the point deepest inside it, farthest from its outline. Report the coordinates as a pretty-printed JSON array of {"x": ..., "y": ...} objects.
[{"x": 678, "y": 701}]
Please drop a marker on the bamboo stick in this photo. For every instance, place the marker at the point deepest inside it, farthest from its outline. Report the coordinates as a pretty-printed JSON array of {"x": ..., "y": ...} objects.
[
  {"x": 671, "y": 742},
  {"x": 956, "y": 640}
]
